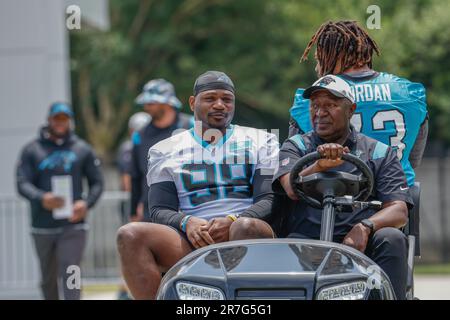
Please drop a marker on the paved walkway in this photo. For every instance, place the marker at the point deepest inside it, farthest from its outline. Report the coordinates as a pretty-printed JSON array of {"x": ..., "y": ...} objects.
[
  {"x": 432, "y": 287},
  {"x": 426, "y": 288}
]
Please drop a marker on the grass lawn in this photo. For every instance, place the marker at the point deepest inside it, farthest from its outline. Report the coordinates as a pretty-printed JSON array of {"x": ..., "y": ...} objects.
[
  {"x": 100, "y": 287},
  {"x": 432, "y": 269}
]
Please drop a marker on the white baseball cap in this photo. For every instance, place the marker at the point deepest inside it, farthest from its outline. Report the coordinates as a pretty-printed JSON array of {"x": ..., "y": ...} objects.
[{"x": 335, "y": 85}]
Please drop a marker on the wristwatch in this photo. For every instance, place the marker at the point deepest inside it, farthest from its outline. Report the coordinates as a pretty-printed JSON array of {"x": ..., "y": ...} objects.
[{"x": 369, "y": 224}]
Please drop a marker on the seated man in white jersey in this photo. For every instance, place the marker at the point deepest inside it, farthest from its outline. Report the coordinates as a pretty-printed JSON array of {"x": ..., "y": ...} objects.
[{"x": 207, "y": 185}]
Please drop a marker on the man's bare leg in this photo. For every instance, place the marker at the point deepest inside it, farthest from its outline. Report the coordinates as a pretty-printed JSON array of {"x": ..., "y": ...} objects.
[
  {"x": 146, "y": 250},
  {"x": 250, "y": 228}
]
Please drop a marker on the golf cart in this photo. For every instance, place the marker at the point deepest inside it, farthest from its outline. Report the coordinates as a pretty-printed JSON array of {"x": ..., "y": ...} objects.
[{"x": 294, "y": 268}]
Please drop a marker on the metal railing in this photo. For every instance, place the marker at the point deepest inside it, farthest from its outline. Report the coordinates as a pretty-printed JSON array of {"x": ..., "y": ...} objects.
[
  {"x": 18, "y": 263},
  {"x": 101, "y": 257},
  {"x": 19, "y": 267}
]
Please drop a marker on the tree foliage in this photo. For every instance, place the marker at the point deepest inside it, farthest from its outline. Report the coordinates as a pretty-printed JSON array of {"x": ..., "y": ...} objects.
[{"x": 257, "y": 42}]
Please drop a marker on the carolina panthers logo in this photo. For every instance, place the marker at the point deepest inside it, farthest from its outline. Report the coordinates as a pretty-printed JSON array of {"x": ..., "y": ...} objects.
[
  {"x": 358, "y": 153},
  {"x": 326, "y": 81},
  {"x": 59, "y": 159}
]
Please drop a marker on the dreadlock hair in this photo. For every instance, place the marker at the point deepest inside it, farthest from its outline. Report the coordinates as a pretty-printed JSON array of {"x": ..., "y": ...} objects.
[{"x": 341, "y": 45}]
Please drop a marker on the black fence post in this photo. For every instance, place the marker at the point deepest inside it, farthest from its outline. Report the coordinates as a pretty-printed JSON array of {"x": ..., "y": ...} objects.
[{"x": 443, "y": 203}]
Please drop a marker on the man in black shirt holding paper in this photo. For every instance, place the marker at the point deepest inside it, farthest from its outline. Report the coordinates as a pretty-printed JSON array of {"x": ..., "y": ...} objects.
[{"x": 59, "y": 239}]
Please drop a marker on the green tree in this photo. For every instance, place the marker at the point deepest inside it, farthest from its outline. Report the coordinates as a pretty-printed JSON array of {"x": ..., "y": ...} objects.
[
  {"x": 176, "y": 40},
  {"x": 257, "y": 42}
]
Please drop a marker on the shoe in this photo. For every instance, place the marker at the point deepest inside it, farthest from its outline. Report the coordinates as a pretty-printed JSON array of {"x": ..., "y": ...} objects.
[{"x": 123, "y": 295}]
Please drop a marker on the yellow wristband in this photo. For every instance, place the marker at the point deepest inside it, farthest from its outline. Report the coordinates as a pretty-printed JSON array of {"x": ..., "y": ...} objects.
[{"x": 232, "y": 217}]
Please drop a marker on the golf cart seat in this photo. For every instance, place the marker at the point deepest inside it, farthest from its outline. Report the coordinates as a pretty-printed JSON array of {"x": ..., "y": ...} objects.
[
  {"x": 412, "y": 228},
  {"x": 412, "y": 231}
]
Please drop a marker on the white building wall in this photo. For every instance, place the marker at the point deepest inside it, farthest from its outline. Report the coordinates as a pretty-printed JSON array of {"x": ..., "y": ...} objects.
[{"x": 33, "y": 73}]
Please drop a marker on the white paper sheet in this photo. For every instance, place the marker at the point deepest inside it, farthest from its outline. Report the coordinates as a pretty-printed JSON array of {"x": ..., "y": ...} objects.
[{"x": 62, "y": 187}]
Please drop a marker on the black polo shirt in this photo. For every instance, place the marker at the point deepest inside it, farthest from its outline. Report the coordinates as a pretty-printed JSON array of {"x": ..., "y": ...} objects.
[{"x": 389, "y": 185}]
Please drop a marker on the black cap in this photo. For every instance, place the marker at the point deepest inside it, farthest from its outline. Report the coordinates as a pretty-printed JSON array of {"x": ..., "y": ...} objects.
[{"x": 211, "y": 80}]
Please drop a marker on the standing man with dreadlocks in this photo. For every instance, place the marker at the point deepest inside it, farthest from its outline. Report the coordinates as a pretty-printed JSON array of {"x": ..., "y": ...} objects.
[{"x": 389, "y": 109}]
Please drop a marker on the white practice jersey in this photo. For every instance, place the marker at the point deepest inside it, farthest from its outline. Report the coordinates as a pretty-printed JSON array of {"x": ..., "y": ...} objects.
[{"x": 213, "y": 179}]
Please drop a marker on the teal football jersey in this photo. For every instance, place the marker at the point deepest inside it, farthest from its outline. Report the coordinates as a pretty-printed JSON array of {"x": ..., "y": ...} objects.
[{"x": 389, "y": 109}]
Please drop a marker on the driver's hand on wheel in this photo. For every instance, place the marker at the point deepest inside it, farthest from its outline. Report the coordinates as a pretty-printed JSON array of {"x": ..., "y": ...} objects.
[
  {"x": 197, "y": 232},
  {"x": 332, "y": 154},
  {"x": 357, "y": 237}
]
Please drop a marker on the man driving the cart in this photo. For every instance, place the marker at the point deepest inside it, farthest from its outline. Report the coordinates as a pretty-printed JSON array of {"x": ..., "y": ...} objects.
[{"x": 375, "y": 233}]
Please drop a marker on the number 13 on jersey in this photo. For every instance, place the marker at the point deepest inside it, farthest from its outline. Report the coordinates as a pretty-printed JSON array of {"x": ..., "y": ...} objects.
[{"x": 379, "y": 127}]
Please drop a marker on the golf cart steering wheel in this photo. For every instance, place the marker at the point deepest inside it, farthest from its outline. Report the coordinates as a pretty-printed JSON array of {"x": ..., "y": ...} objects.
[{"x": 311, "y": 188}]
